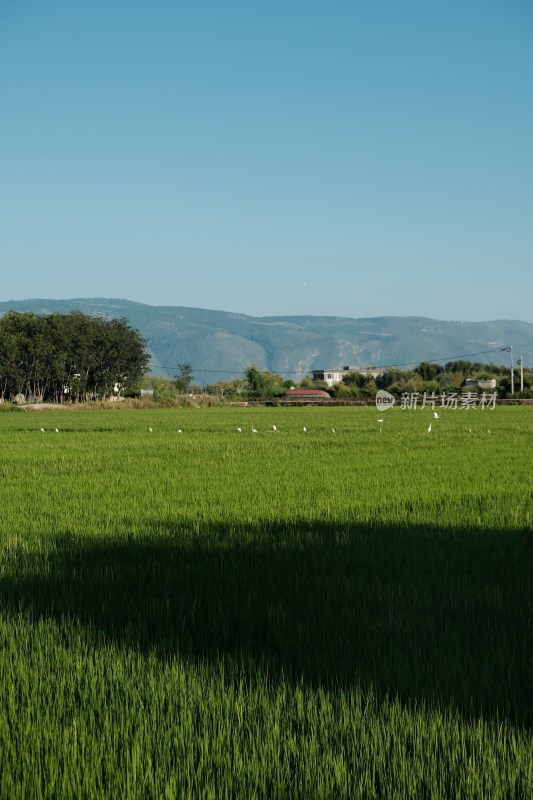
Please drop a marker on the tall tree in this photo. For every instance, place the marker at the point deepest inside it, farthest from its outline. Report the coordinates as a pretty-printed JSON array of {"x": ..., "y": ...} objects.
[
  {"x": 184, "y": 377},
  {"x": 262, "y": 385}
]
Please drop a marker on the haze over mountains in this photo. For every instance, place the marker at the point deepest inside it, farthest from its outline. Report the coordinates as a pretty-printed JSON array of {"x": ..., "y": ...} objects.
[{"x": 220, "y": 344}]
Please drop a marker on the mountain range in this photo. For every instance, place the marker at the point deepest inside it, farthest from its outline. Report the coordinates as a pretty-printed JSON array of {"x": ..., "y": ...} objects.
[{"x": 220, "y": 344}]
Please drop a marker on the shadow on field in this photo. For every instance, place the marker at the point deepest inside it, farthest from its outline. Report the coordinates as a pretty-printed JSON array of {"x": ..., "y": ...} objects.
[{"x": 427, "y": 614}]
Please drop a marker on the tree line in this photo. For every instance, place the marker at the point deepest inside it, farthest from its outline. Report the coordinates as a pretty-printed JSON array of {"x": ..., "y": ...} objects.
[
  {"x": 68, "y": 357},
  {"x": 362, "y": 384},
  {"x": 262, "y": 385}
]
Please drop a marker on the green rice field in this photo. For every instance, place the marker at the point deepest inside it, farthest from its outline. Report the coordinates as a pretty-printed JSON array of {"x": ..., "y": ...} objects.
[{"x": 190, "y": 610}]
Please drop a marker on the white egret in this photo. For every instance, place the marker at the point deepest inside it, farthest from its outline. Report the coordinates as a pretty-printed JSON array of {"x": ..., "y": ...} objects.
[
  {"x": 274, "y": 428},
  {"x": 429, "y": 429},
  {"x": 254, "y": 430},
  {"x": 240, "y": 430},
  {"x": 150, "y": 430},
  {"x": 305, "y": 429},
  {"x": 435, "y": 415}
]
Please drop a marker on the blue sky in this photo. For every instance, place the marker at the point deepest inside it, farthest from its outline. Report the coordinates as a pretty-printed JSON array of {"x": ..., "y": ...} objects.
[{"x": 342, "y": 158}]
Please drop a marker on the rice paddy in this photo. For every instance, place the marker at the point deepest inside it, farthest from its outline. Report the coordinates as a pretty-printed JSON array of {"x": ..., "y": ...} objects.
[{"x": 190, "y": 610}]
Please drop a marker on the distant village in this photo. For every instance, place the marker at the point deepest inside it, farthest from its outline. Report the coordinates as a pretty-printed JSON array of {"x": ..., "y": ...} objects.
[{"x": 353, "y": 384}]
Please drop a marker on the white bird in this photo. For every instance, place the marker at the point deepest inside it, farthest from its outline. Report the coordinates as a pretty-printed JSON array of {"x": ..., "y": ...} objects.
[
  {"x": 179, "y": 430},
  {"x": 435, "y": 415},
  {"x": 240, "y": 430},
  {"x": 42, "y": 430},
  {"x": 429, "y": 429},
  {"x": 274, "y": 428},
  {"x": 150, "y": 430},
  {"x": 380, "y": 420},
  {"x": 305, "y": 429},
  {"x": 333, "y": 430},
  {"x": 57, "y": 430},
  {"x": 254, "y": 430}
]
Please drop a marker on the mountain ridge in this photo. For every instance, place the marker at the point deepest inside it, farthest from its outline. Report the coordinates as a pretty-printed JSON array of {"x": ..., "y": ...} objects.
[{"x": 220, "y": 344}]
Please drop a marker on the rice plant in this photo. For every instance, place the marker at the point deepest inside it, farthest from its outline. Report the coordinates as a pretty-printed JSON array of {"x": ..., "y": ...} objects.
[{"x": 198, "y": 611}]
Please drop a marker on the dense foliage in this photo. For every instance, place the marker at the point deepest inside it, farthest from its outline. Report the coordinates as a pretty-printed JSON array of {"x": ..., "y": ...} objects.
[
  {"x": 73, "y": 356},
  {"x": 184, "y": 377},
  {"x": 363, "y": 384}
]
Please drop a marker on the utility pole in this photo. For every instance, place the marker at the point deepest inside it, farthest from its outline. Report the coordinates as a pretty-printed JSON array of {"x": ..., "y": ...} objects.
[
  {"x": 510, "y": 350},
  {"x": 520, "y": 363}
]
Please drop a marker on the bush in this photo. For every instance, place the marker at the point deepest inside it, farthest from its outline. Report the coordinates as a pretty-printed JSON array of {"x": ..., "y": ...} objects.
[{"x": 6, "y": 407}]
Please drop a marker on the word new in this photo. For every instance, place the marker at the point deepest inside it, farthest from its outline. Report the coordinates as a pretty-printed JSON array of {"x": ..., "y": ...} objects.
[{"x": 465, "y": 400}]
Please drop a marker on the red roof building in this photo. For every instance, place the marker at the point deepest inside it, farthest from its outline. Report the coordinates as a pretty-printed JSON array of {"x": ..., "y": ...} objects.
[{"x": 306, "y": 394}]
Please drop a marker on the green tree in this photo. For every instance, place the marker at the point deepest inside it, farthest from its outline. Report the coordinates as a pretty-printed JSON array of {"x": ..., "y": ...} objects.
[
  {"x": 74, "y": 356},
  {"x": 184, "y": 377},
  {"x": 262, "y": 385},
  {"x": 358, "y": 379},
  {"x": 428, "y": 371}
]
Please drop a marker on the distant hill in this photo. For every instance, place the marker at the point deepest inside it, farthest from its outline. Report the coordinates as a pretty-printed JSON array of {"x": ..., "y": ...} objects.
[{"x": 220, "y": 344}]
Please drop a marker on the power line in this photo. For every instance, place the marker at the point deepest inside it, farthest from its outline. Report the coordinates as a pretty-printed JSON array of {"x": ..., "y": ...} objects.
[
  {"x": 226, "y": 371},
  {"x": 445, "y": 358},
  {"x": 385, "y": 366}
]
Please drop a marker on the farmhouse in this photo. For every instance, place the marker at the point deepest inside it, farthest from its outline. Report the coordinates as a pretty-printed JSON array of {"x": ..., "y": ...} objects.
[
  {"x": 328, "y": 376},
  {"x": 490, "y": 383},
  {"x": 333, "y": 376}
]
